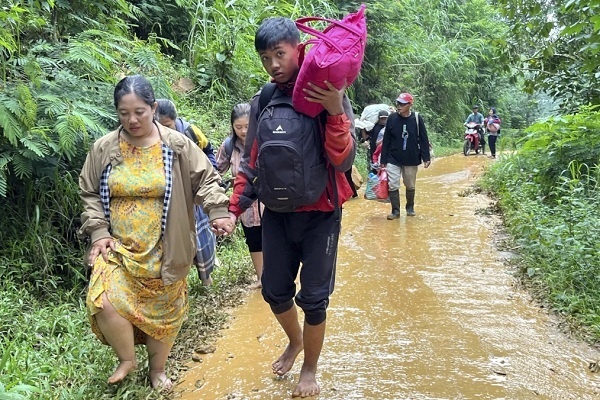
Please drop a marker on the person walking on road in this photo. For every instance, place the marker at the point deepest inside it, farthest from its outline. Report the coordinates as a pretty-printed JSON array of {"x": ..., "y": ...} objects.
[
  {"x": 138, "y": 186},
  {"x": 205, "y": 259},
  {"x": 492, "y": 126},
  {"x": 405, "y": 146},
  {"x": 477, "y": 118},
  {"x": 306, "y": 234},
  {"x": 229, "y": 157}
]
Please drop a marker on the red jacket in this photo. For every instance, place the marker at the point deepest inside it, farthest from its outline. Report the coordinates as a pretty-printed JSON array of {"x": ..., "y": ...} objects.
[
  {"x": 377, "y": 153},
  {"x": 340, "y": 148}
]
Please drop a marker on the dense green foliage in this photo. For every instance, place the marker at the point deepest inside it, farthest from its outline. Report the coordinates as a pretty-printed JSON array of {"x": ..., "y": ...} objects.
[
  {"x": 60, "y": 60},
  {"x": 57, "y": 356},
  {"x": 549, "y": 193},
  {"x": 58, "y": 74},
  {"x": 555, "y": 45}
]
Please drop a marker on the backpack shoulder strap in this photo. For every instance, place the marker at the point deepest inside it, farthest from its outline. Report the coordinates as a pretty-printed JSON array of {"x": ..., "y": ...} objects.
[
  {"x": 189, "y": 132},
  {"x": 417, "y": 119},
  {"x": 228, "y": 146},
  {"x": 266, "y": 94}
]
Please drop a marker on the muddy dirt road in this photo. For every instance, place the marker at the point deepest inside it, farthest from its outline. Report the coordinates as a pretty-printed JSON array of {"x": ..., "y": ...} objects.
[{"x": 424, "y": 308}]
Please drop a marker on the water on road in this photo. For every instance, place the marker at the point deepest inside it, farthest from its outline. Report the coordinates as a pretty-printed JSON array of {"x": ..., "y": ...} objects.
[{"x": 424, "y": 308}]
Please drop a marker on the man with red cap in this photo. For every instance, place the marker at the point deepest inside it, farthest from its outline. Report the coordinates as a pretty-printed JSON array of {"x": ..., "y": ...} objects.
[{"x": 405, "y": 146}]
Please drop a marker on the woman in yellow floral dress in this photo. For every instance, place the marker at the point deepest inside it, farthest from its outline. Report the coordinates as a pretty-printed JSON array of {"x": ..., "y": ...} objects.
[{"x": 139, "y": 185}]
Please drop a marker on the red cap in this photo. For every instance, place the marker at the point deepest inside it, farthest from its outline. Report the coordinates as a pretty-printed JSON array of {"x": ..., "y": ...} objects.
[{"x": 405, "y": 98}]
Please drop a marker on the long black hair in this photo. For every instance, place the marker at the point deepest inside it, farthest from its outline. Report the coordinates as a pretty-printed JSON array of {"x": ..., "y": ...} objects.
[
  {"x": 165, "y": 108},
  {"x": 238, "y": 111},
  {"x": 136, "y": 84}
]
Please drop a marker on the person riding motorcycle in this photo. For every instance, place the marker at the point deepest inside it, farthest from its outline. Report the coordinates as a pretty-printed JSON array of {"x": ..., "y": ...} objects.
[{"x": 477, "y": 117}]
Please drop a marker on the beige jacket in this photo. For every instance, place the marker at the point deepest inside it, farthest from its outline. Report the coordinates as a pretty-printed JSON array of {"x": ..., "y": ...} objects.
[{"x": 194, "y": 181}]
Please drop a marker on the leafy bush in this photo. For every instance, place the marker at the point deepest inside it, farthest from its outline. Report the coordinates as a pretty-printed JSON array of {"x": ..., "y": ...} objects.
[
  {"x": 550, "y": 200},
  {"x": 40, "y": 247},
  {"x": 559, "y": 143},
  {"x": 58, "y": 357}
]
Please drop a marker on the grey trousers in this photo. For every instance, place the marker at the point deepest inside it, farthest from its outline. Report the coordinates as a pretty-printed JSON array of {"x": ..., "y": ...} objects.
[{"x": 407, "y": 172}]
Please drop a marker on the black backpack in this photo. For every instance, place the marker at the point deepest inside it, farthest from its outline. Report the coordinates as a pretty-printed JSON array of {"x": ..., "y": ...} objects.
[{"x": 291, "y": 164}]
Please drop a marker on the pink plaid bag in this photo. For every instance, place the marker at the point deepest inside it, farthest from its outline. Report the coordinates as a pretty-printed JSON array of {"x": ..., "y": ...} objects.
[{"x": 336, "y": 56}]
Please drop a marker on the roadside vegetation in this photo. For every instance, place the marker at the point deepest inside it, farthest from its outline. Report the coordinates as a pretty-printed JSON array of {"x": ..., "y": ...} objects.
[
  {"x": 49, "y": 352},
  {"x": 60, "y": 60},
  {"x": 549, "y": 194}
]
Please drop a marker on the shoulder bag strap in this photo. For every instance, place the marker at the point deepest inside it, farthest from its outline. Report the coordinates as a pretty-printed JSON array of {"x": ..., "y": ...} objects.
[{"x": 266, "y": 94}]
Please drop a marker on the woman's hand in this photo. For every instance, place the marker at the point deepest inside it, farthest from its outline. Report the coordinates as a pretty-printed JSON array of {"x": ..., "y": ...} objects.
[
  {"x": 101, "y": 246},
  {"x": 222, "y": 226},
  {"x": 233, "y": 218},
  {"x": 331, "y": 98}
]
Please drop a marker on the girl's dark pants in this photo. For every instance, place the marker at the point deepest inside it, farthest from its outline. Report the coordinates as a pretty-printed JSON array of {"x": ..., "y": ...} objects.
[
  {"x": 350, "y": 182},
  {"x": 253, "y": 236},
  {"x": 492, "y": 142}
]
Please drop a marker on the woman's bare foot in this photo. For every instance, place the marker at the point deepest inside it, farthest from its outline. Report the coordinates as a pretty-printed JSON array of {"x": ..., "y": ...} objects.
[
  {"x": 255, "y": 285},
  {"x": 124, "y": 368},
  {"x": 159, "y": 380},
  {"x": 285, "y": 362},
  {"x": 307, "y": 385},
  {"x": 207, "y": 281}
]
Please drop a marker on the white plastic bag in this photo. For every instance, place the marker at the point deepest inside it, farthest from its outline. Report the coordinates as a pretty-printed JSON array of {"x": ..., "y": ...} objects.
[
  {"x": 369, "y": 116},
  {"x": 371, "y": 113}
]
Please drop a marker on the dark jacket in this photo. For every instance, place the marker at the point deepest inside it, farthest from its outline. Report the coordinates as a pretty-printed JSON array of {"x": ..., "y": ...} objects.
[
  {"x": 417, "y": 142},
  {"x": 373, "y": 133},
  {"x": 181, "y": 125}
]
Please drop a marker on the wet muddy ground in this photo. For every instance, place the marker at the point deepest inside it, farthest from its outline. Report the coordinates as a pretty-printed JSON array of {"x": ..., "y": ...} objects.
[{"x": 425, "y": 307}]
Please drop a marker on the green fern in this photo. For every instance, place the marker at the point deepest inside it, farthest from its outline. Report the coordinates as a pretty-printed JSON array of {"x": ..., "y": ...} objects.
[
  {"x": 9, "y": 124},
  {"x": 97, "y": 113},
  {"x": 52, "y": 105},
  {"x": 68, "y": 127},
  {"x": 11, "y": 104},
  {"x": 5, "y": 158},
  {"x": 86, "y": 54},
  {"x": 34, "y": 147},
  {"x": 88, "y": 124},
  {"x": 28, "y": 106},
  {"x": 3, "y": 184},
  {"x": 22, "y": 165},
  {"x": 145, "y": 59}
]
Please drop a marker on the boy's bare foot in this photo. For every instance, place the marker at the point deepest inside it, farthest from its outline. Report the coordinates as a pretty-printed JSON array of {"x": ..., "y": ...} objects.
[
  {"x": 285, "y": 362},
  {"x": 124, "y": 368},
  {"x": 307, "y": 385},
  {"x": 159, "y": 380}
]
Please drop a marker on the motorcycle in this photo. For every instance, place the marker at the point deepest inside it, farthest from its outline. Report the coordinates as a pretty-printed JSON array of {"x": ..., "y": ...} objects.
[{"x": 473, "y": 139}]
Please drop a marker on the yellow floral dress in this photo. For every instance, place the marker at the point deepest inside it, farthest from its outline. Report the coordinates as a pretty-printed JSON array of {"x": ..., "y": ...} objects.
[{"x": 132, "y": 279}]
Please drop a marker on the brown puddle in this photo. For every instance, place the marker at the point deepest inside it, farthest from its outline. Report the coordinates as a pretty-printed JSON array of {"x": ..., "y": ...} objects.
[{"x": 424, "y": 308}]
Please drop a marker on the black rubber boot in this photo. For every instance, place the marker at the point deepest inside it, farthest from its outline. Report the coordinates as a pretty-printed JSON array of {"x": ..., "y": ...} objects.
[
  {"x": 395, "y": 200},
  {"x": 410, "y": 202}
]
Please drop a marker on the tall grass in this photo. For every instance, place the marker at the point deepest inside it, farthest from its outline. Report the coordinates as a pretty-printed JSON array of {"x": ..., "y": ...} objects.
[
  {"x": 554, "y": 218},
  {"x": 47, "y": 349}
]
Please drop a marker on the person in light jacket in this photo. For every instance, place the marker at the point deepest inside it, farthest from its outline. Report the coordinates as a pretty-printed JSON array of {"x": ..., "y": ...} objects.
[{"x": 138, "y": 186}]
